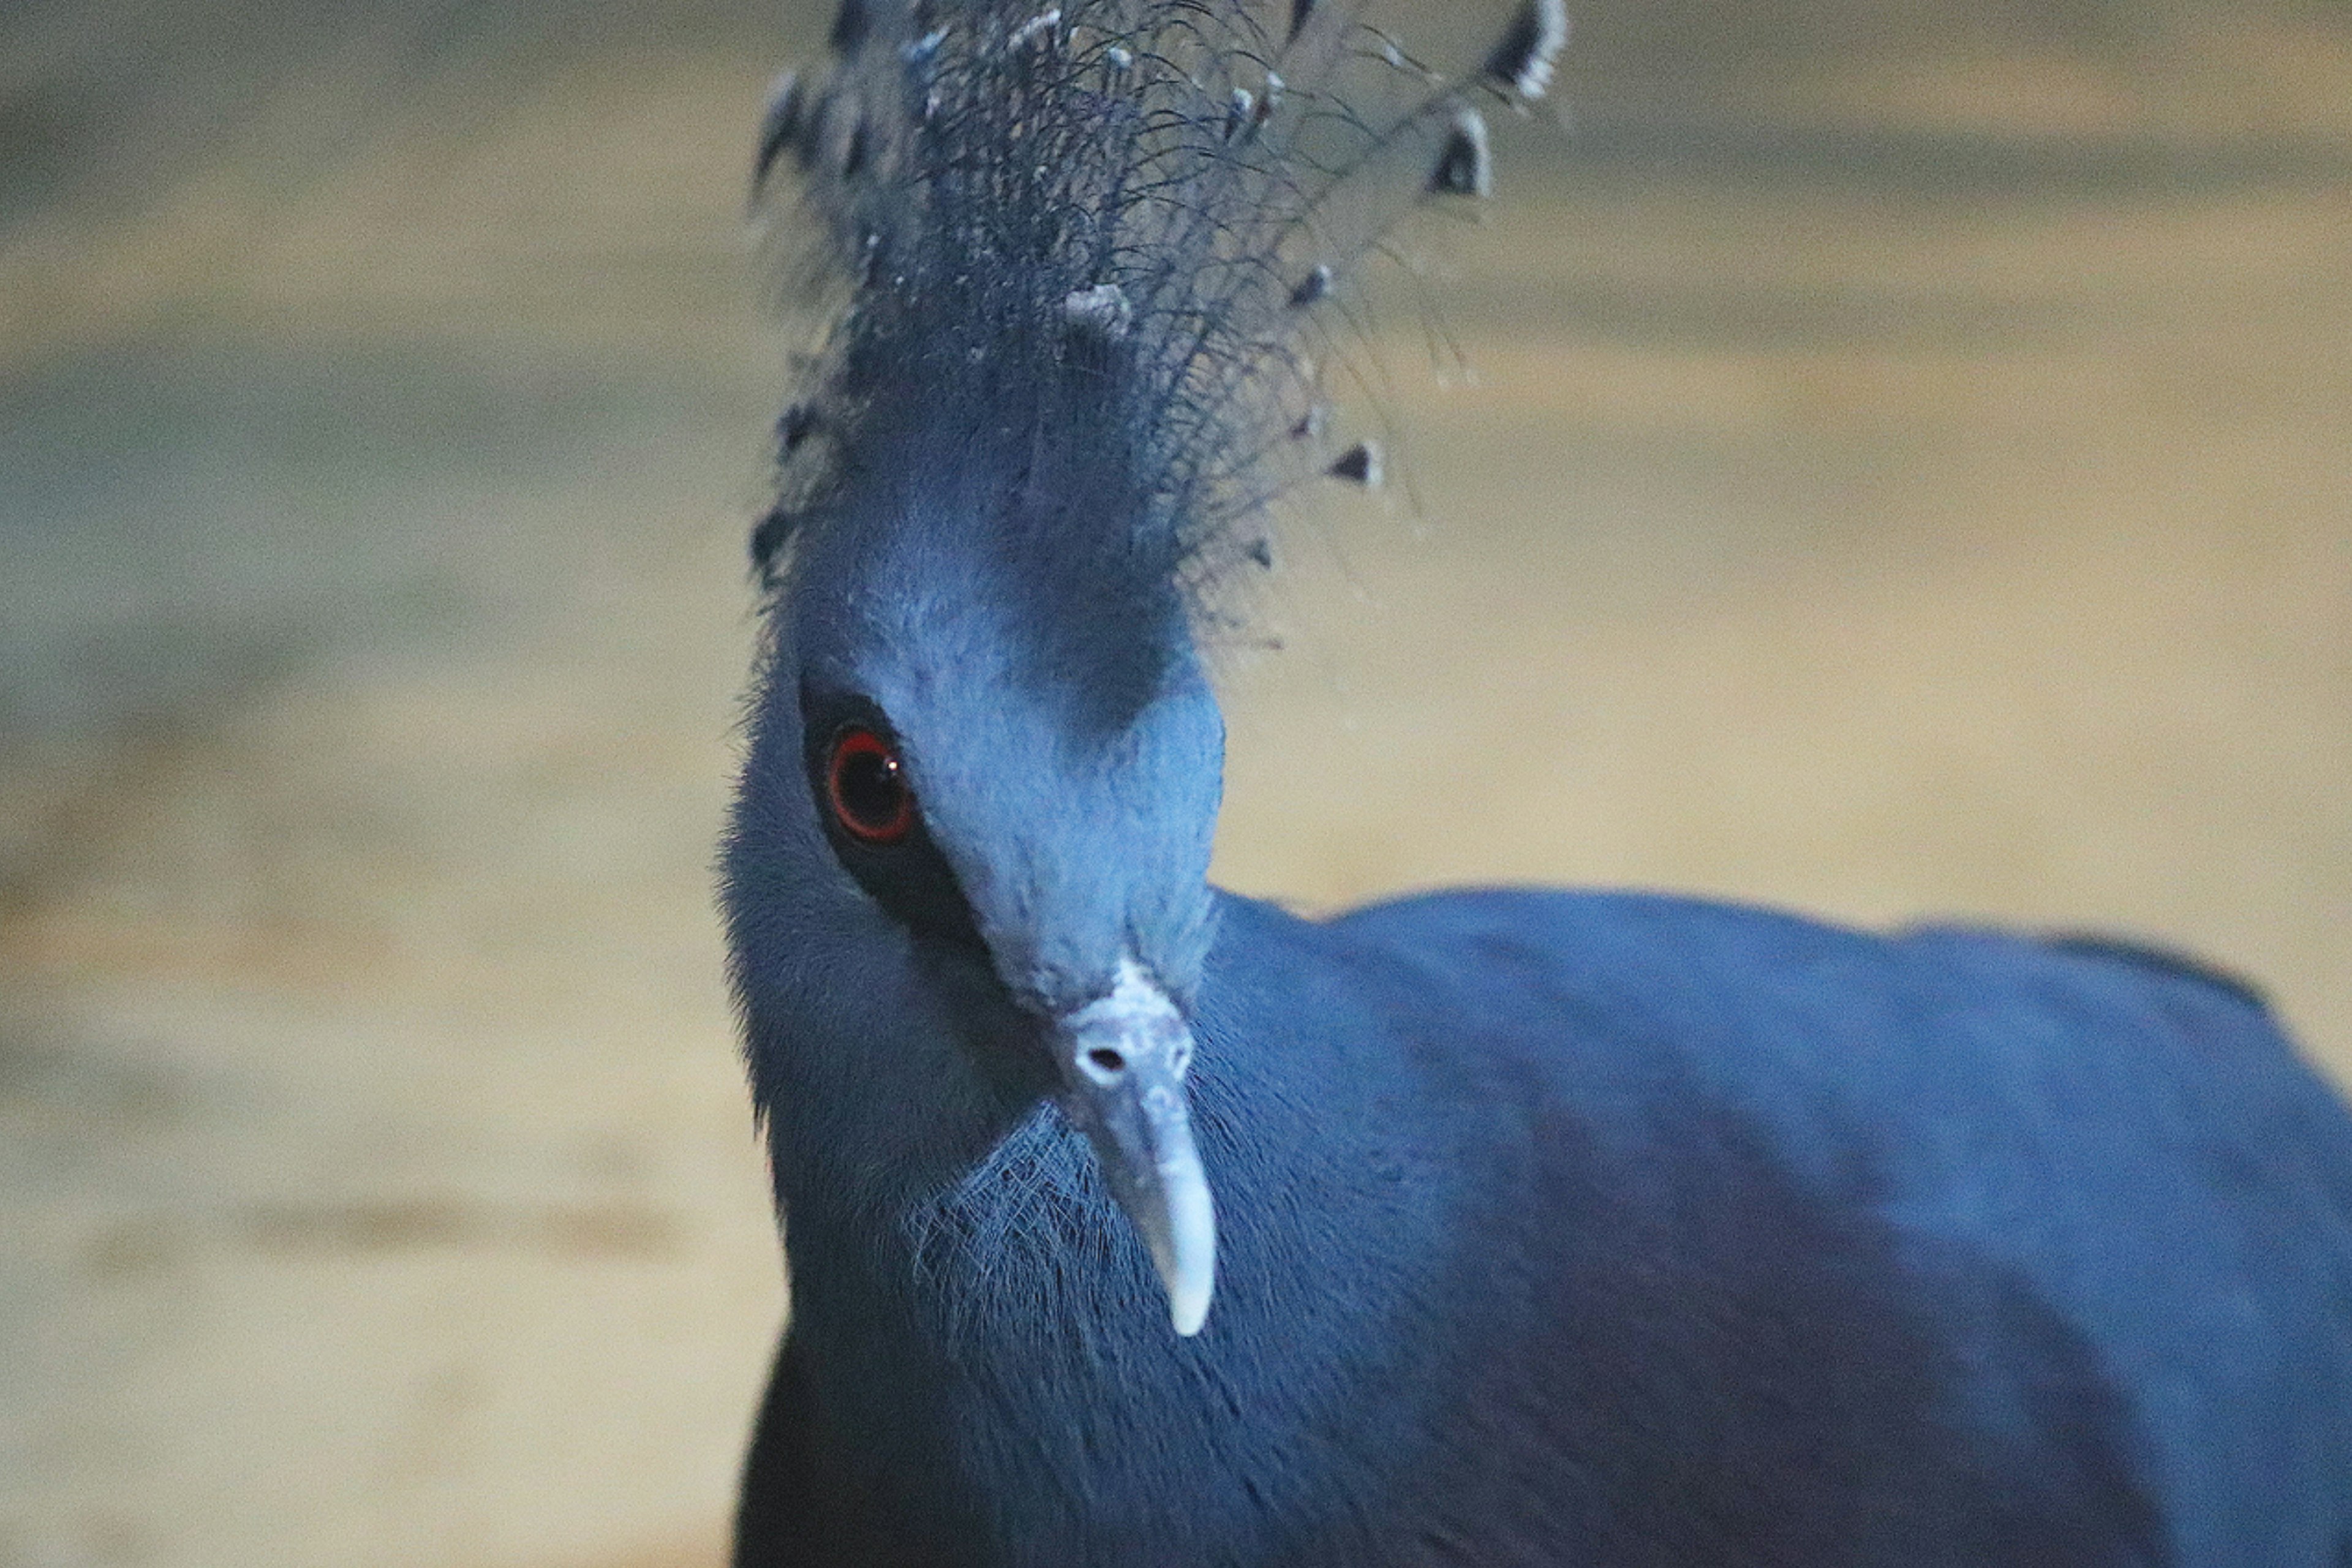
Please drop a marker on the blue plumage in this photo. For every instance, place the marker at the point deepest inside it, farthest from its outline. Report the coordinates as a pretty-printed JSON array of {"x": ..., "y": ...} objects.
[{"x": 1130, "y": 1222}]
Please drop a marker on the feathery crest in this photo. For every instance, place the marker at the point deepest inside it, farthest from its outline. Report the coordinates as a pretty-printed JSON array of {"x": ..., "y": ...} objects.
[
  {"x": 1522, "y": 61},
  {"x": 1087, "y": 243}
]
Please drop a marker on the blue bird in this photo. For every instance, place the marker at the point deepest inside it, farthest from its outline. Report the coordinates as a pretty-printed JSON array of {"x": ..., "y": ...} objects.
[{"x": 1131, "y": 1222}]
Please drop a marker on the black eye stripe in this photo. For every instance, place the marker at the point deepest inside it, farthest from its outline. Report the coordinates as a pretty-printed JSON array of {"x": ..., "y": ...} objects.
[{"x": 864, "y": 797}]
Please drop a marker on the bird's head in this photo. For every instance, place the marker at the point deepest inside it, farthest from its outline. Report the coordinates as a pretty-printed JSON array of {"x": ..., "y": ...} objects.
[
  {"x": 1074, "y": 258},
  {"x": 1009, "y": 749}
]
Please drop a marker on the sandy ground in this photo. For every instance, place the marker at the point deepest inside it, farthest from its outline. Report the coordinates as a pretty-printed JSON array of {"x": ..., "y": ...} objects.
[{"x": 1897, "y": 480}]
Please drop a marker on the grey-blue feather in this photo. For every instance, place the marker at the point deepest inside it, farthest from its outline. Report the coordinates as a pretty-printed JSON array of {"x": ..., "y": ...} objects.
[
  {"x": 1111, "y": 219},
  {"x": 1130, "y": 1222}
]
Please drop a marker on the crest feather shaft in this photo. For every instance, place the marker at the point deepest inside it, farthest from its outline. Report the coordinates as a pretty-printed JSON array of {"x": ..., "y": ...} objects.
[{"x": 1089, "y": 244}]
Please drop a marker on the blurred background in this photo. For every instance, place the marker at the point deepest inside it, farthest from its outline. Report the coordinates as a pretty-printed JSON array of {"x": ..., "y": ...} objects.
[{"x": 1882, "y": 456}]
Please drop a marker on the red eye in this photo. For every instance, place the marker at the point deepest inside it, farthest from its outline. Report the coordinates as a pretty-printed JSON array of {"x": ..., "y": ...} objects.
[{"x": 868, "y": 788}]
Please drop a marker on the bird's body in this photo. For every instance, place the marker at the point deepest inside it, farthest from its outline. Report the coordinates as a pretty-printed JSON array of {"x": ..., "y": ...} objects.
[
  {"x": 1548, "y": 1228},
  {"x": 1606, "y": 1229}
]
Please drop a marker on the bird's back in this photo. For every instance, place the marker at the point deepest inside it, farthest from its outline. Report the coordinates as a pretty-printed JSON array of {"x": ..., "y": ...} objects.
[{"x": 1779, "y": 1242}]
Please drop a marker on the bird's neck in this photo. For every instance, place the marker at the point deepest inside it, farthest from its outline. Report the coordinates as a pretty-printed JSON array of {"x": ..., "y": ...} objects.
[{"x": 969, "y": 1296}]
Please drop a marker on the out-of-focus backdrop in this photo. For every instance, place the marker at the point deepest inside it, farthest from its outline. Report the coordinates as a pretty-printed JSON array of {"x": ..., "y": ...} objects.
[{"x": 1883, "y": 457}]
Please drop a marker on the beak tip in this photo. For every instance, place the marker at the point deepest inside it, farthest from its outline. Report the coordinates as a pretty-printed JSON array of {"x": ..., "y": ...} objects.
[
  {"x": 1188, "y": 1311},
  {"x": 1187, "y": 1262}
]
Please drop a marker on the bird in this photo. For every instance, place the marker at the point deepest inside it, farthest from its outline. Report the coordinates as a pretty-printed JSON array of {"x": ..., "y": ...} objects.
[{"x": 1128, "y": 1220}]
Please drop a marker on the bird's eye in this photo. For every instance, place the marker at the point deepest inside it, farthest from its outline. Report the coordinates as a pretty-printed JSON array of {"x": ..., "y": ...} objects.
[{"x": 868, "y": 788}]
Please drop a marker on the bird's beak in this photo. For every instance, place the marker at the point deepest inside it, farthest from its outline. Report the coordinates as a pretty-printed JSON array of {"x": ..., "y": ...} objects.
[{"x": 1123, "y": 1058}]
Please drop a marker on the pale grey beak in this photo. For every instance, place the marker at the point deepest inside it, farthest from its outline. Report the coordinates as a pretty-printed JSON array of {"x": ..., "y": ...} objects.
[{"x": 1123, "y": 1058}]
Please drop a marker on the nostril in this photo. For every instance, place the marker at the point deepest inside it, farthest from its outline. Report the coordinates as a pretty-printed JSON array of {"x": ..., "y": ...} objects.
[{"x": 1106, "y": 1061}]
